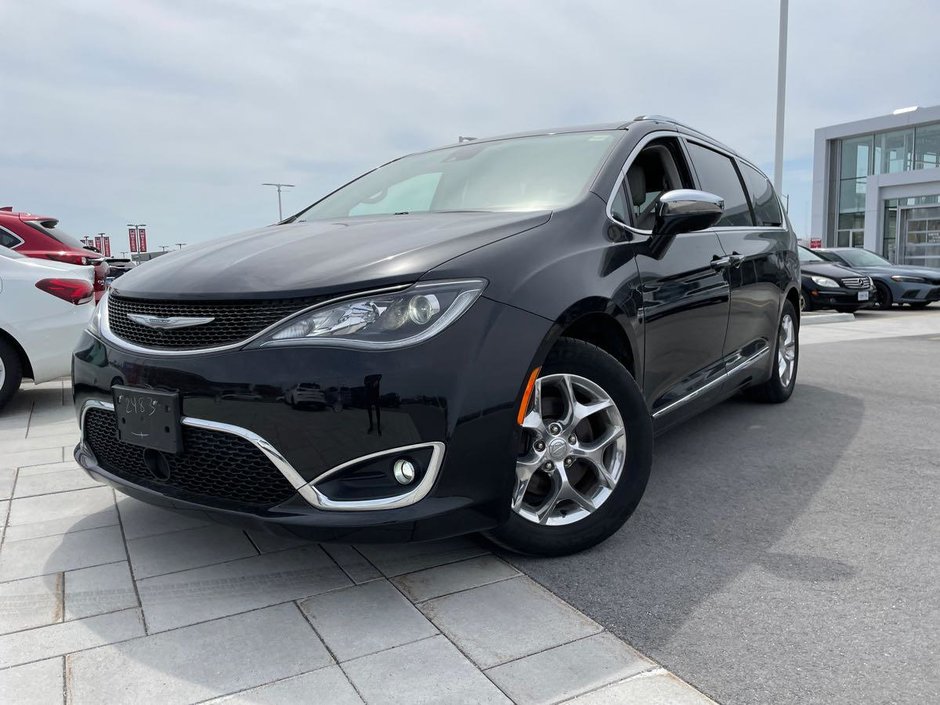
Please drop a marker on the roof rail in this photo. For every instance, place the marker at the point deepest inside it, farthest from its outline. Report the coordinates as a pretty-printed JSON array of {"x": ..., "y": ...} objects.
[{"x": 662, "y": 118}]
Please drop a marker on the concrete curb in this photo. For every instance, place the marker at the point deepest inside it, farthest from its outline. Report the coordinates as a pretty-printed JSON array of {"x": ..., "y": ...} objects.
[{"x": 808, "y": 319}]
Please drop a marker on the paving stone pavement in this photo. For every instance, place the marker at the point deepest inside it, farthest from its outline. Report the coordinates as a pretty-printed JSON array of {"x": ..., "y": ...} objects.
[{"x": 104, "y": 599}]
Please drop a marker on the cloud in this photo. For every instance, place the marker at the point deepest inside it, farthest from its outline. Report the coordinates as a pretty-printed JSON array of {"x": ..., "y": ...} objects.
[{"x": 173, "y": 113}]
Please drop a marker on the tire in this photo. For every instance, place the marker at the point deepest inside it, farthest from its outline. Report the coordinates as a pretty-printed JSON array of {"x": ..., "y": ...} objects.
[
  {"x": 806, "y": 303},
  {"x": 779, "y": 387},
  {"x": 11, "y": 372},
  {"x": 568, "y": 526},
  {"x": 883, "y": 298},
  {"x": 921, "y": 304}
]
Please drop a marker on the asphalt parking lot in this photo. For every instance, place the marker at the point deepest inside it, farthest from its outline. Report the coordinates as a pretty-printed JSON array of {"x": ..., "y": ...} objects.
[{"x": 791, "y": 554}]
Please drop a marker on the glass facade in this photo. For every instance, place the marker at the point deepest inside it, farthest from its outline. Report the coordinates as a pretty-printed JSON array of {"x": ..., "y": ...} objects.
[{"x": 887, "y": 152}]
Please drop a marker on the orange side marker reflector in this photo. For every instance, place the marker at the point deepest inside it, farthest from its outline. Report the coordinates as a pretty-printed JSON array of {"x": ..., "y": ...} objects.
[{"x": 527, "y": 395}]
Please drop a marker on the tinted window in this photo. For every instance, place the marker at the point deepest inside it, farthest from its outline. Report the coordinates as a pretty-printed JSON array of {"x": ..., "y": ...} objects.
[
  {"x": 8, "y": 239},
  {"x": 862, "y": 258},
  {"x": 717, "y": 175},
  {"x": 763, "y": 198},
  {"x": 522, "y": 174}
]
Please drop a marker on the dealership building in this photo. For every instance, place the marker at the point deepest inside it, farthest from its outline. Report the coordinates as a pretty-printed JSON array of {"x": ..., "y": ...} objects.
[{"x": 876, "y": 184}]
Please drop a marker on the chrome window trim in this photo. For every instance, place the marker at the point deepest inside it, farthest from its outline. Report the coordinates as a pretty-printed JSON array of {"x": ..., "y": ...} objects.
[
  {"x": 105, "y": 332},
  {"x": 306, "y": 489},
  {"x": 694, "y": 394},
  {"x": 696, "y": 139}
]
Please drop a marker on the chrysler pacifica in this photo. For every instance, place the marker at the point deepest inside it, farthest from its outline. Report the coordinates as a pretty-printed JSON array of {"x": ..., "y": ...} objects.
[{"x": 483, "y": 337}]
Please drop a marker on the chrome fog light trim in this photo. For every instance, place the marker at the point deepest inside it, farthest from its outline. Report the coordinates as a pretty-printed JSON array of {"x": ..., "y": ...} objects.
[{"x": 415, "y": 494}]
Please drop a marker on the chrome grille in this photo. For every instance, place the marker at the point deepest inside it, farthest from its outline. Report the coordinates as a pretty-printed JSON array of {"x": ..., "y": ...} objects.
[
  {"x": 234, "y": 321},
  {"x": 856, "y": 283}
]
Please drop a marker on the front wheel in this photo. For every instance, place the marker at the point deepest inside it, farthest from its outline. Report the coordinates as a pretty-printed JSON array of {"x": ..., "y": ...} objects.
[
  {"x": 586, "y": 454},
  {"x": 779, "y": 387},
  {"x": 883, "y": 298}
]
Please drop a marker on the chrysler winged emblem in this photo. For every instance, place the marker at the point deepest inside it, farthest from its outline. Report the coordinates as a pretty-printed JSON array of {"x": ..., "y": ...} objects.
[{"x": 169, "y": 322}]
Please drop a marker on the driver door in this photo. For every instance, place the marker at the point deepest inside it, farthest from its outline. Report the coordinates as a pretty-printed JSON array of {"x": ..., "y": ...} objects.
[{"x": 685, "y": 296}]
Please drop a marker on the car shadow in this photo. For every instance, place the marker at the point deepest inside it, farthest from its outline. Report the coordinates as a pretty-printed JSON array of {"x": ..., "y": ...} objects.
[{"x": 724, "y": 490}]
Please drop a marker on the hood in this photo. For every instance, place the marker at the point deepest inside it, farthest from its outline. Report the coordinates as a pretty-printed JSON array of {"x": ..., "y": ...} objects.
[
  {"x": 827, "y": 269},
  {"x": 931, "y": 274},
  {"x": 320, "y": 257}
]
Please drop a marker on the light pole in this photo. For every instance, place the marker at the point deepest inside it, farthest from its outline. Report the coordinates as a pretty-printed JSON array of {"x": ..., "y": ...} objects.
[
  {"x": 164, "y": 247},
  {"x": 280, "y": 215},
  {"x": 179, "y": 244},
  {"x": 781, "y": 95}
]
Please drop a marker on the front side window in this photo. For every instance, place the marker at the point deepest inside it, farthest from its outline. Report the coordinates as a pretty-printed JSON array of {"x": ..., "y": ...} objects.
[
  {"x": 718, "y": 175},
  {"x": 766, "y": 206},
  {"x": 654, "y": 171},
  {"x": 544, "y": 172}
]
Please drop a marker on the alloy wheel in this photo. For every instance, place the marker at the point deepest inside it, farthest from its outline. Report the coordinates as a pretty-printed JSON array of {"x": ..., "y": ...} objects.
[
  {"x": 786, "y": 350},
  {"x": 575, "y": 454},
  {"x": 3, "y": 373}
]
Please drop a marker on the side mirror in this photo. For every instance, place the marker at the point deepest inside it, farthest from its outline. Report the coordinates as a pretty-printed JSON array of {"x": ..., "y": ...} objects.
[
  {"x": 682, "y": 211},
  {"x": 685, "y": 210}
]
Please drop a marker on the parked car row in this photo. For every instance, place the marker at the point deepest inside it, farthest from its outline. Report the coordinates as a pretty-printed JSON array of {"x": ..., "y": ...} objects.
[{"x": 851, "y": 278}]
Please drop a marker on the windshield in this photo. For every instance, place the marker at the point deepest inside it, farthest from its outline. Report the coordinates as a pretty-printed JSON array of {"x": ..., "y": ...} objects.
[
  {"x": 49, "y": 228},
  {"x": 521, "y": 174},
  {"x": 863, "y": 258},
  {"x": 809, "y": 256}
]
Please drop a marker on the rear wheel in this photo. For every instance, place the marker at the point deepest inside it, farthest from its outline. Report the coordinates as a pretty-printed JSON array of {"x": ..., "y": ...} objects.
[
  {"x": 11, "y": 372},
  {"x": 586, "y": 455},
  {"x": 806, "y": 303},
  {"x": 883, "y": 298},
  {"x": 780, "y": 386}
]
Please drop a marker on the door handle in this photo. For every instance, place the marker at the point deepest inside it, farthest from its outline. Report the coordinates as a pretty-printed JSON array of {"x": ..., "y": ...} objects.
[
  {"x": 719, "y": 263},
  {"x": 736, "y": 259}
]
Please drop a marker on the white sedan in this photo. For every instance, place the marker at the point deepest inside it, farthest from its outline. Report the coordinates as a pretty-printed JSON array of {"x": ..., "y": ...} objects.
[{"x": 44, "y": 306}]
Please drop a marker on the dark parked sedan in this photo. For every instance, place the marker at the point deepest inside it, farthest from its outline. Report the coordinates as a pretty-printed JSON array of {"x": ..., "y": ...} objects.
[
  {"x": 894, "y": 283},
  {"x": 828, "y": 285},
  {"x": 501, "y": 326}
]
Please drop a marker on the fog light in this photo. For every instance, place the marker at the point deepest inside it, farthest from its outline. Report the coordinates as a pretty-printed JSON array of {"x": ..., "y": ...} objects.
[{"x": 404, "y": 471}]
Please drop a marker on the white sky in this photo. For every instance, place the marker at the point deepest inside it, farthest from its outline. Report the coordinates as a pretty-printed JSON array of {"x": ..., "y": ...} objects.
[{"x": 173, "y": 113}]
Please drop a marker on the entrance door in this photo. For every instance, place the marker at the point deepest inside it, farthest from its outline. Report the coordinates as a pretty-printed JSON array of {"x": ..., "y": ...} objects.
[{"x": 919, "y": 236}]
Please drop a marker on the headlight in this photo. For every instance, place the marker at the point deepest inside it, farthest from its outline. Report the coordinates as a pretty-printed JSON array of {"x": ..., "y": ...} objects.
[
  {"x": 912, "y": 280},
  {"x": 101, "y": 311},
  {"x": 381, "y": 321},
  {"x": 826, "y": 282}
]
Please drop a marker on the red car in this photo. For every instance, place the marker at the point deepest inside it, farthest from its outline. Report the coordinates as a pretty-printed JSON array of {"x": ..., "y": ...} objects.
[{"x": 39, "y": 236}]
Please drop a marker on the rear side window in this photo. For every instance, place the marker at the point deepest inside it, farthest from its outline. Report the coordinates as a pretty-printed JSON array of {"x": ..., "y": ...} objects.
[
  {"x": 718, "y": 175},
  {"x": 766, "y": 206},
  {"x": 8, "y": 239}
]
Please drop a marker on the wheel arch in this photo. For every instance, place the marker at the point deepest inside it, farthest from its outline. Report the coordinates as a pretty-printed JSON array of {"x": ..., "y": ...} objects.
[
  {"x": 603, "y": 323},
  {"x": 24, "y": 358}
]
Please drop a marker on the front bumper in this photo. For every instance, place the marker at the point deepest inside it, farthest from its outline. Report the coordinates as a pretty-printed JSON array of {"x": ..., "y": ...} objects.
[
  {"x": 913, "y": 292},
  {"x": 838, "y": 298},
  {"x": 457, "y": 391}
]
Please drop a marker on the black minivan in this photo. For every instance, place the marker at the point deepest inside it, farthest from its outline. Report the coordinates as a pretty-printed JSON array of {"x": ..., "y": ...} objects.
[{"x": 494, "y": 331}]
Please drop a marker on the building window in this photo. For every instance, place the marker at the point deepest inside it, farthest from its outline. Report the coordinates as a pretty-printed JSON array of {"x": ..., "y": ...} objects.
[
  {"x": 851, "y": 231},
  {"x": 856, "y": 157},
  {"x": 893, "y": 151},
  {"x": 927, "y": 147},
  {"x": 852, "y": 195}
]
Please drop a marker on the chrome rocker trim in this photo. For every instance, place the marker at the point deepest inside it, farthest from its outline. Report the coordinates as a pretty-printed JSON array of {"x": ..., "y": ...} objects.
[
  {"x": 86, "y": 458},
  {"x": 724, "y": 376}
]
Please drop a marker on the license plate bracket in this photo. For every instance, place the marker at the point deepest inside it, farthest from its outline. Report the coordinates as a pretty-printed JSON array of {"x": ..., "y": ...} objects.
[{"x": 148, "y": 418}]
